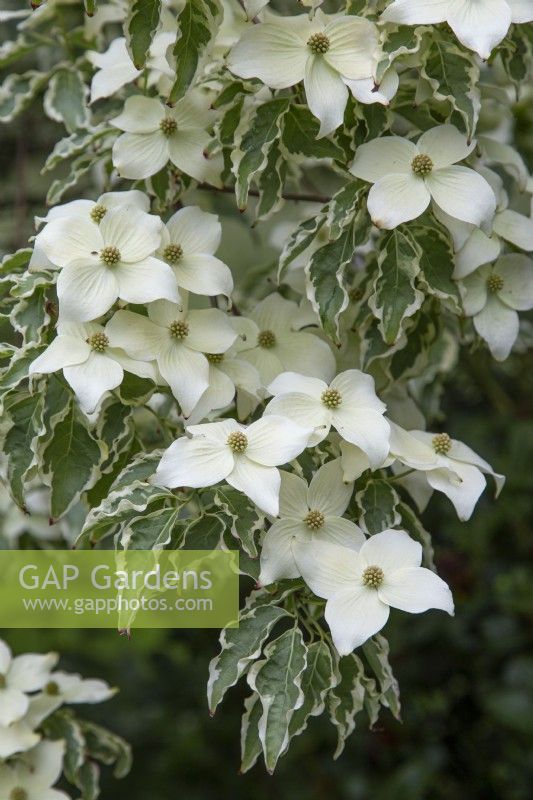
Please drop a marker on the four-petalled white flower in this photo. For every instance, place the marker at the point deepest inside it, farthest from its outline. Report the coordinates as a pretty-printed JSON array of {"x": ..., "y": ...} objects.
[
  {"x": 246, "y": 457},
  {"x": 407, "y": 176},
  {"x": 308, "y": 514},
  {"x": 18, "y": 676},
  {"x": 360, "y": 587},
  {"x": 31, "y": 777}
]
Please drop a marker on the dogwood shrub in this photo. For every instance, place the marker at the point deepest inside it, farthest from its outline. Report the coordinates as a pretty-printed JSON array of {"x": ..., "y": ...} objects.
[{"x": 272, "y": 231}]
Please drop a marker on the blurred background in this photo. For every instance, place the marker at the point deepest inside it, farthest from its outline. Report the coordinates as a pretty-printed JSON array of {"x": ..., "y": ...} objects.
[{"x": 466, "y": 683}]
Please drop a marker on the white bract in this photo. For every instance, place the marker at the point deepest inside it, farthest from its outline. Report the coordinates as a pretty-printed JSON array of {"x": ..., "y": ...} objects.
[
  {"x": 177, "y": 339},
  {"x": 246, "y": 457},
  {"x": 70, "y": 688},
  {"x": 349, "y": 404},
  {"x": 366, "y": 91},
  {"x": 444, "y": 464},
  {"x": 324, "y": 52},
  {"x": 360, "y": 587},
  {"x": 115, "y": 68},
  {"x": 105, "y": 261},
  {"x": 189, "y": 239},
  {"x": 90, "y": 366},
  {"x": 478, "y": 24},
  {"x": 33, "y": 775},
  {"x": 154, "y": 134},
  {"x": 308, "y": 514},
  {"x": 18, "y": 677},
  {"x": 493, "y": 295},
  {"x": 276, "y": 345},
  {"x": 407, "y": 176}
]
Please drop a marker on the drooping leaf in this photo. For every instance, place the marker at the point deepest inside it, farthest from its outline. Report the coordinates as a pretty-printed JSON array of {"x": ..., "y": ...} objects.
[
  {"x": 197, "y": 26},
  {"x": 65, "y": 99},
  {"x": 140, "y": 27}
]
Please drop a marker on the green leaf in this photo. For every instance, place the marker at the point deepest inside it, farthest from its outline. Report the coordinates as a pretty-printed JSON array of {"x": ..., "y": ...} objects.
[
  {"x": 24, "y": 418},
  {"x": 150, "y": 531},
  {"x": 352, "y": 692},
  {"x": 250, "y": 742},
  {"x": 65, "y": 99},
  {"x": 140, "y": 27},
  {"x": 300, "y": 131},
  {"x": 395, "y": 297},
  {"x": 19, "y": 366},
  {"x": 15, "y": 262},
  {"x": 270, "y": 183},
  {"x": 71, "y": 461},
  {"x": 239, "y": 647},
  {"x": 17, "y": 92},
  {"x": 244, "y": 519},
  {"x": 79, "y": 167},
  {"x": 318, "y": 679},
  {"x": 300, "y": 239},
  {"x": 277, "y": 679},
  {"x": 30, "y": 317},
  {"x": 63, "y": 725},
  {"x": 453, "y": 75},
  {"x": 343, "y": 207},
  {"x": 107, "y": 747},
  {"x": 376, "y": 651},
  {"x": 78, "y": 143},
  {"x": 251, "y": 153},
  {"x": 378, "y": 502},
  {"x": 436, "y": 259},
  {"x": 197, "y": 25}
]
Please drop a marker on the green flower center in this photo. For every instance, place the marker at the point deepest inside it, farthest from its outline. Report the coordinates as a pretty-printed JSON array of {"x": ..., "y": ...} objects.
[
  {"x": 52, "y": 689},
  {"x": 178, "y": 329},
  {"x": 98, "y": 212},
  {"x": 331, "y": 398},
  {"x": 98, "y": 342},
  {"x": 421, "y": 165},
  {"x": 373, "y": 577},
  {"x": 18, "y": 793},
  {"x": 214, "y": 358},
  {"x": 237, "y": 441},
  {"x": 266, "y": 339},
  {"x": 318, "y": 43},
  {"x": 173, "y": 253},
  {"x": 314, "y": 519},
  {"x": 110, "y": 255},
  {"x": 495, "y": 283},
  {"x": 168, "y": 126},
  {"x": 441, "y": 444}
]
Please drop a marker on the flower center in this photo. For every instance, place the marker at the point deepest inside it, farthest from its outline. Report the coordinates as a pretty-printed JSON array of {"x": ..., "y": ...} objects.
[
  {"x": 373, "y": 577},
  {"x": 98, "y": 212},
  {"x": 495, "y": 283},
  {"x": 318, "y": 43},
  {"x": 178, "y": 329},
  {"x": 266, "y": 339},
  {"x": 441, "y": 444},
  {"x": 314, "y": 520},
  {"x": 52, "y": 689},
  {"x": 98, "y": 342},
  {"x": 421, "y": 165},
  {"x": 237, "y": 441},
  {"x": 331, "y": 398},
  {"x": 110, "y": 255},
  {"x": 173, "y": 253},
  {"x": 214, "y": 358},
  {"x": 168, "y": 126},
  {"x": 18, "y": 793}
]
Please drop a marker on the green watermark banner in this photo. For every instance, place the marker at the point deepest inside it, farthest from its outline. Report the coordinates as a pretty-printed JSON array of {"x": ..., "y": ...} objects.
[{"x": 124, "y": 590}]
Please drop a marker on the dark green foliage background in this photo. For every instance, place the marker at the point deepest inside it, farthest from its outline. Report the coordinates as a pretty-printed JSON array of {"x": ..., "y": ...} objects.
[{"x": 467, "y": 683}]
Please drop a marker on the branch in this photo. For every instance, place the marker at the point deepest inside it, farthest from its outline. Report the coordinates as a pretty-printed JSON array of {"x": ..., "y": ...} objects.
[{"x": 296, "y": 196}]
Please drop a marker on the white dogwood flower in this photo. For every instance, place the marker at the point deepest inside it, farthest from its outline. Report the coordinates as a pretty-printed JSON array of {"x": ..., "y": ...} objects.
[
  {"x": 154, "y": 134},
  {"x": 480, "y": 26},
  {"x": 103, "y": 262},
  {"x": 115, "y": 68},
  {"x": 360, "y": 587},
  {"x": 177, "y": 339},
  {"x": 246, "y": 457},
  {"x": 71, "y": 688},
  {"x": 349, "y": 404},
  {"x": 443, "y": 464},
  {"x": 277, "y": 346},
  {"x": 18, "y": 676},
  {"x": 324, "y": 52},
  {"x": 308, "y": 514},
  {"x": 33, "y": 776},
  {"x": 90, "y": 366},
  {"x": 407, "y": 176},
  {"x": 189, "y": 239},
  {"x": 492, "y": 296},
  {"x": 20, "y": 736},
  {"x": 229, "y": 375}
]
